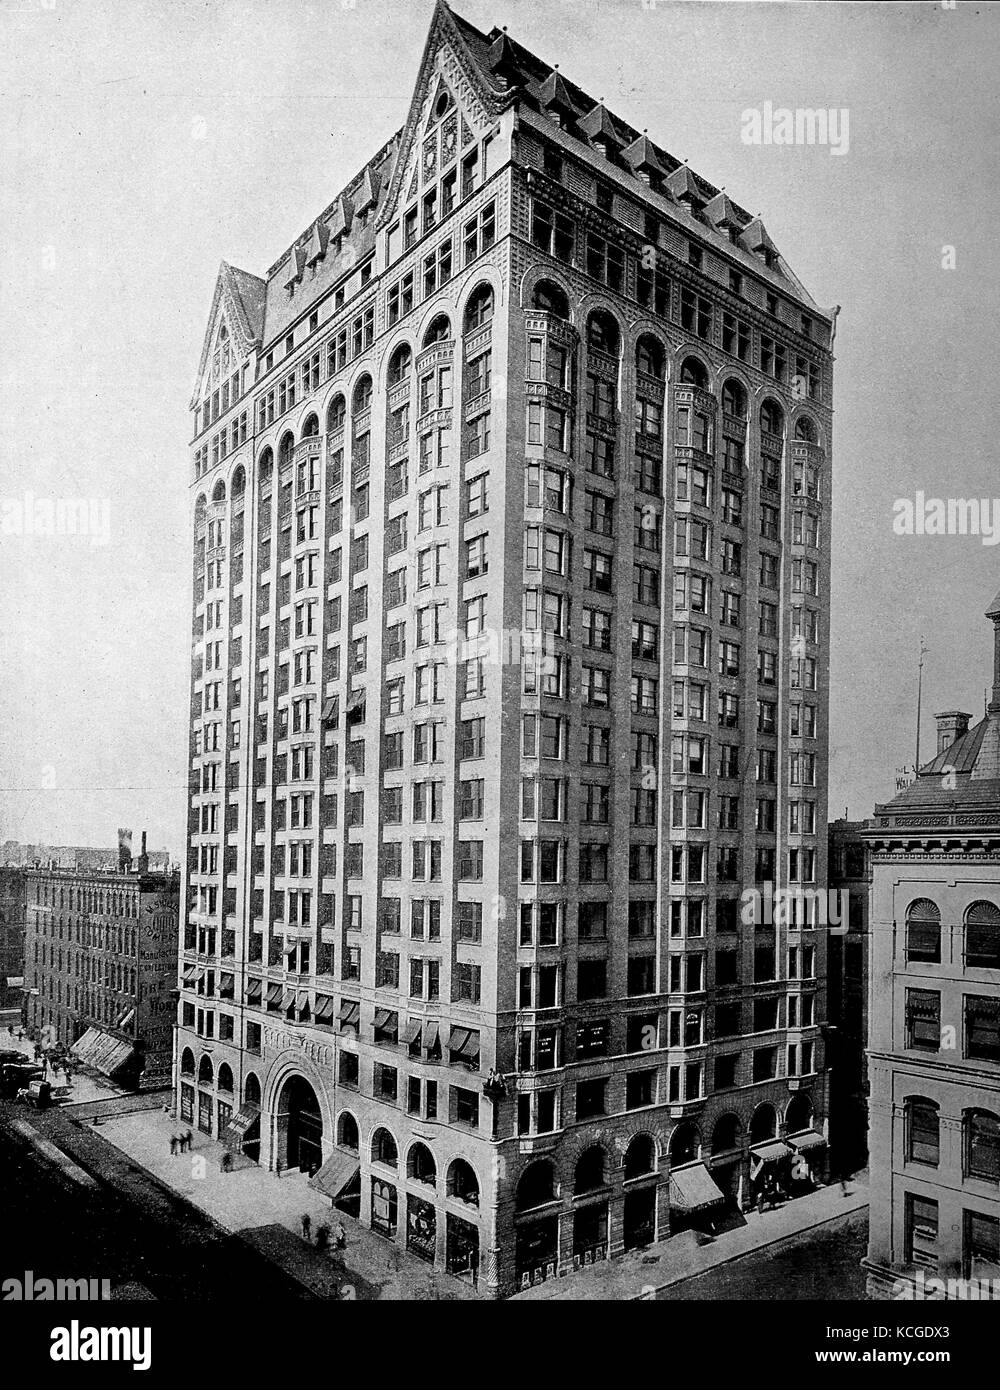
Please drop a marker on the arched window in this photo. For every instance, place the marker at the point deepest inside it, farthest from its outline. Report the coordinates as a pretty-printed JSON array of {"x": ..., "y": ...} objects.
[
  {"x": 479, "y": 309},
  {"x": 285, "y": 450},
  {"x": 602, "y": 333},
  {"x": 399, "y": 364},
  {"x": 799, "y": 1112},
  {"x": 347, "y": 1132},
  {"x": 439, "y": 331},
  {"x": 550, "y": 299},
  {"x": 640, "y": 1157},
  {"x": 763, "y": 1124},
  {"x": 772, "y": 418},
  {"x": 734, "y": 399},
  {"x": 362, "y": 398},
  {"x": 219, "y": 492},
  {"x": 726, "y": 1134},
  {"x": 384, "y": 1148},
  {"x": 694, "y": 373},
  {"x": 225, "y": 1077},
  {"x": 805, "y": 429},
  {"x": 982, "y": 936},
  {"x": 265, "y": 467},
  {"x": 981, "y": 1144},
  {"x": 923, "y": 1133},
  {"x": 589, "y": 1173},
  {"x": 923, "y": 931},
  {"x": 336, "y": 413},
  {"x": 187, "y": 1062},
  {"x": 650, "y": 357},
  {"x": 205, "y": 1072},
  {"x": 536, "y": 1186},
  {"x": 463, "y": 1183},
  {"x": 311, "y": 427},
  {"x": 420, "y": 1165},
  {"x": 684, "y": 1144},
  {"x": 239, "y": 481},
  {"x": 251, "y": 1090}
]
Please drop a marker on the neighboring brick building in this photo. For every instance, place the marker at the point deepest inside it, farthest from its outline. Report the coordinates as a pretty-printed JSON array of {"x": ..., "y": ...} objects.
[
  {"x": 847, "y": 996},
  {"x": 101, "y": 967},
  {"x": 527, "y": 382},
  {"x": 11, "y": 938},
  {"x": 934, "y": 1055}
]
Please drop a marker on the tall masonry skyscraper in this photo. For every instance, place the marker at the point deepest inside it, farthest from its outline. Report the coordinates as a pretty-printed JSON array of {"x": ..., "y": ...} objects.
[{"x": 511, "y": 525}]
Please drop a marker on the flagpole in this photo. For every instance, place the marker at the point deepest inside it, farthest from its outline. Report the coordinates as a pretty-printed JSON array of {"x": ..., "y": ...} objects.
[{"x": 920, "y": 687}]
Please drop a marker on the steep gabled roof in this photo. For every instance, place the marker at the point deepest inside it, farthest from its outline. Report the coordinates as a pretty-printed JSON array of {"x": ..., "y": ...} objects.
[{"x": 240, "y": 298}]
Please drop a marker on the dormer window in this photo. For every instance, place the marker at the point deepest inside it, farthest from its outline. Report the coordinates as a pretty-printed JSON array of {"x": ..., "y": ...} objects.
[
  {"x": 553, "y": 163},
  {"x": 605, "y": 198},
  {"x": 694, "y": 255},
  {"x": 736, "y": 282}
]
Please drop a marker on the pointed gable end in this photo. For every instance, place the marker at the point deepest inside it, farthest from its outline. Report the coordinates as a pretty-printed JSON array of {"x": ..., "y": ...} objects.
[{"x": 238, "y": 302}]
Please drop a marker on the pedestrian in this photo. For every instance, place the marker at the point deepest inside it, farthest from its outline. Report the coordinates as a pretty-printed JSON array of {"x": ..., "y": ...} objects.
[
  {"x": 190, "y": 1140},
  {"x": 322, "y": 1237},
  {"x": 173, "y": 1146},
  {"x": 306, "y": 1225},
  {"x": 69, "y": 1076},
  {"x": 340, "y": 1236}
]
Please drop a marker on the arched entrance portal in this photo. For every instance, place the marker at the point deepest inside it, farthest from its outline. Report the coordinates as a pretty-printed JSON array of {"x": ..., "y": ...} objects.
[{"x": 299, "y": 1129}]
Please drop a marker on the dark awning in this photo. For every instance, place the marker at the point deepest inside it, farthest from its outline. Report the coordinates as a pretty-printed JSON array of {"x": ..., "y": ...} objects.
[
  {"x": 771, "y": 1152},
  {"x": 331, "y": 706},
  {"x": 226, "y": 981},
  {"x": 288, "y": 999},
  {"x": 235, "y": 1132},
  {"x": 382, "y": 1017},
  {"x": 350, "y": 1011},
  {"x": 302, "y": 1000},
  {"x": 692, "y": 1188},
  {"x": 85, "y": 1045},
  {"x": 336, "y": 1173},
  {"x": 411, "y": 1032},
  {"x": 253, "y": 989},
  {"x": 808, "y": 1139},
  {"x": 190, "y": 973},
  {"x": 273, "y": 993},
  {"x": 464, "y": 1043},
  {"x": 324, "y": 1006},
  {"x": 430, "y": 1036}
]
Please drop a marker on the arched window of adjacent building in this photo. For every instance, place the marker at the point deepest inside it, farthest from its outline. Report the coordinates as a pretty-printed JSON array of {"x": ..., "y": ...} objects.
[
  {"x": 420, "y": 1165},
  {"x": 225, "y": 1077},
  {"x": 239, "y": 485},
  {"x": 603, "y": 333},
  {"x": 590, "y": 1170},
  {"x": 763, "y": 1124},
  {"x": 347, "y": 1132},
  {"x": 923, "y": 1130},
  {"x": 463, "y": 1183},
  {"x": 205, "y": 1072},
  {"x": 251, "y": 1090},
  {"x": 981, "y": 1145},
  {"x": 982, "y": 936},
  {"x": 650, "y": 357},
  {"x": 311, "y": 427},
  {"x": 772, "y": 418},
  {"x": 336, "y": 413},
  {"x": 799, "y": 1112},
  {"x": 536, "y": 1185},
  {"x": 479, "y": 310},
  {"x": 187, "y": 1062},
  {"x": 265, "y": 467},
  {"x": 362, "y": 398},
  {"x": 384, "y": 1148},
  {"x": 399, "y": 364},
  {"x": 734, "y": 399},
  {"x": 640, "y": 1157},
  {"x": 684, "y": 1144},
  {"x": 923, "y": 931},
  {"x": 550, "y": 299},
  {"x": 726, "y": 1134},
  {"x": 694, "y": 373},
  {"x": 285, "y": 450},
  {"x": 219, "y": 492},
  {"x": 439, "y": 331},
  {"x": 805, "y": 429}
]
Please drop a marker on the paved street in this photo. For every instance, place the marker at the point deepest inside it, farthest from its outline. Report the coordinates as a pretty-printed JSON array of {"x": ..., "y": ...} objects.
[
  {"x": 129, "y": 1230},
  {"x": 821, "y": 1264}
]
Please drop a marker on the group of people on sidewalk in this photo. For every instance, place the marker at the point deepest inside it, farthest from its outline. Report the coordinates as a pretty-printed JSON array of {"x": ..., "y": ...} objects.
[
  {"x": 181, "y": 1143},
  {"x": 52, "y": 1060},
  {"x": 323, "y": 1233}
]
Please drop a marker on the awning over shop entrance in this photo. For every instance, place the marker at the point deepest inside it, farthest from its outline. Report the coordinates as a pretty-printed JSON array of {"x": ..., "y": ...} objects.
[
  {"x": 235, "y": 1132},
  {"x": 102, "y": 1051},
  {"x": 692, "y": 1188},
  {"x": 339, "y": 1170},
  {"x": 771, "y": 1152},
  {"x": 808, "y": 1139}
]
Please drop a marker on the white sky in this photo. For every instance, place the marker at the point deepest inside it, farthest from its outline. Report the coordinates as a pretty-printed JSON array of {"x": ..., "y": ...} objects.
[{"x": 142, "y": 143}]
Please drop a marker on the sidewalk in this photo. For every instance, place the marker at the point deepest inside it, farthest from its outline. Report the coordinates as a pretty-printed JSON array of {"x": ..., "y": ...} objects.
[
  {"x": 83, "y": 1088},
  {"x": 263, "y": 1208},
  {"x": 641, "y": 1273}
]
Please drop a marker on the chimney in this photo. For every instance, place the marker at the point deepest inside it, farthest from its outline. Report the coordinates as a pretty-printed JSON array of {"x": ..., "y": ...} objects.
[
  {"x": 951, "y": 725},
  {"x": 143, "y": 856},
  {"x": 124, "y": 850}
]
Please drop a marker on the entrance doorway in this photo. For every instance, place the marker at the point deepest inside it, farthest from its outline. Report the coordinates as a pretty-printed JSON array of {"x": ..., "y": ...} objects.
[{"x": 299, "y": 1127}]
